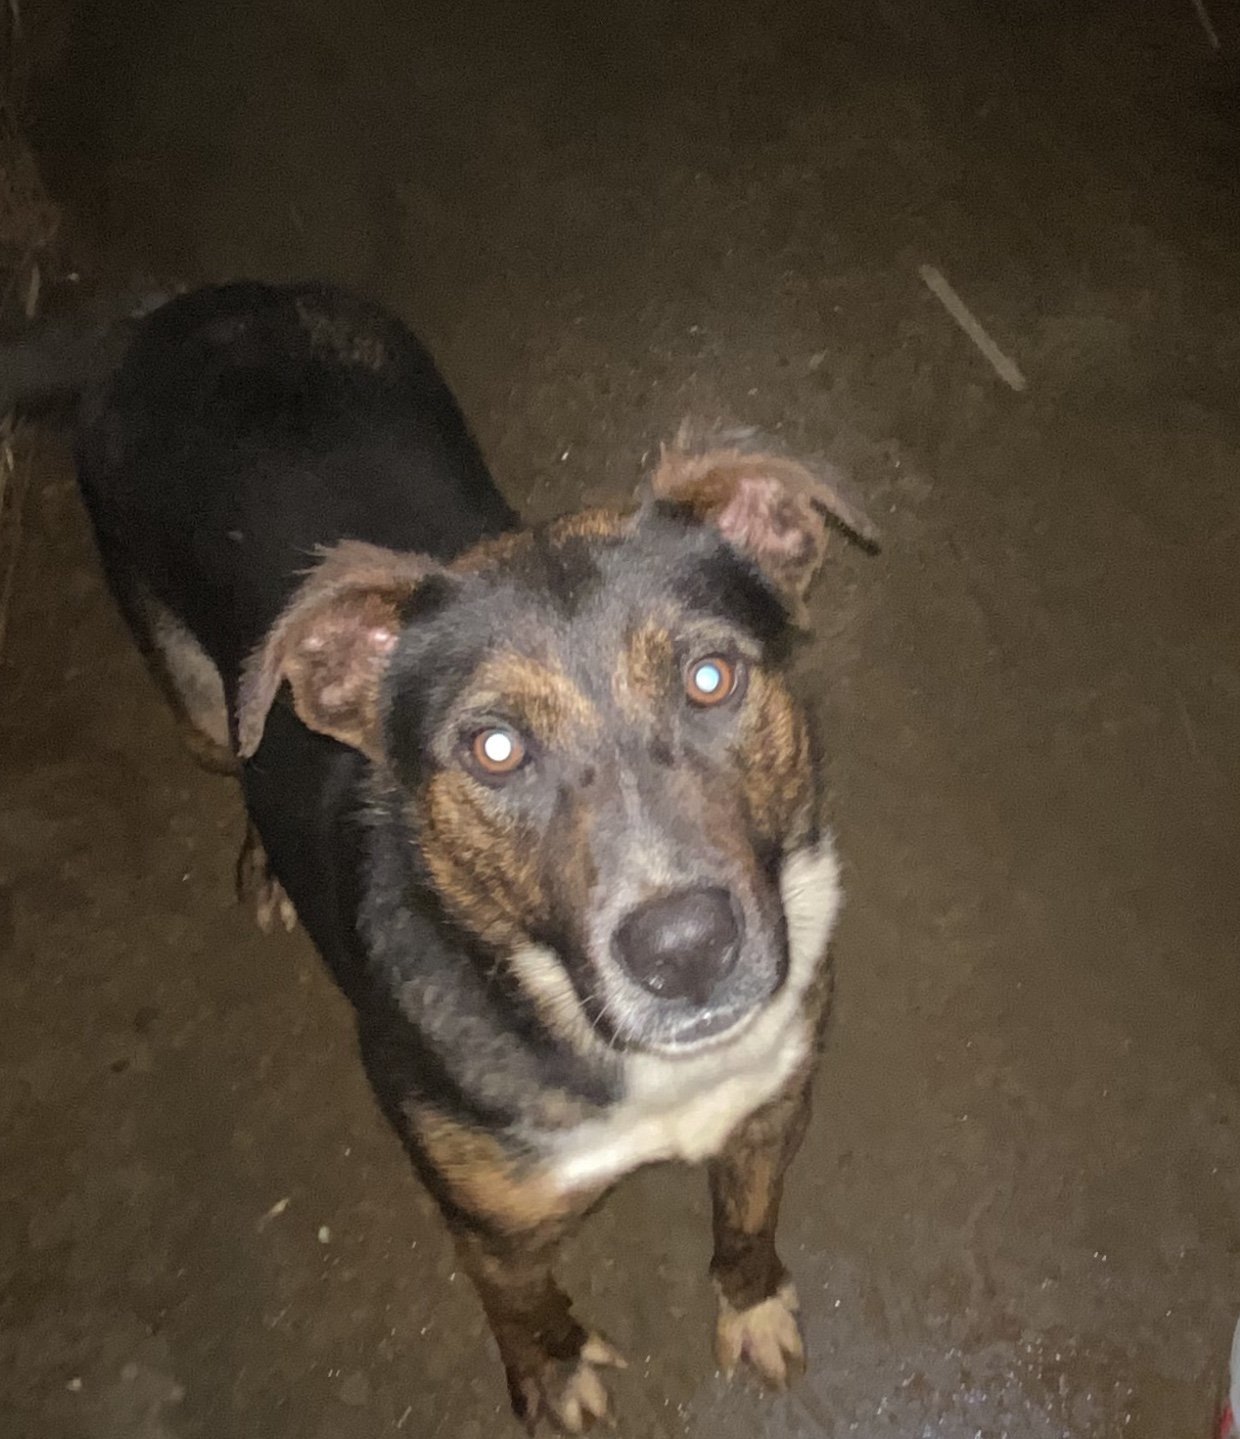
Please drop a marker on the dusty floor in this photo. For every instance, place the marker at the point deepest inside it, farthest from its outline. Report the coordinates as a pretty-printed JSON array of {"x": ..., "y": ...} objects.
[{"x": 1019, "y": 1209}]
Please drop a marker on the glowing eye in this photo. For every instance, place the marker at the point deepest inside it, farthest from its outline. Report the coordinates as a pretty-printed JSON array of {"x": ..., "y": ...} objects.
[
  {"x": 711, "y": 680},
  {"x": 497, "y": 751},
  {"x": 708, "y": 679}
]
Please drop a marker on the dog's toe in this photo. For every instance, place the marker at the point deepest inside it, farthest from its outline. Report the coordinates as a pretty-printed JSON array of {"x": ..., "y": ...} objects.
[
  {"x": 767, "y": 1336},
  {"x": 272, "y": 906},
  {"x": 570, "y": 1394},
  {"x": 257, "y": 886}
]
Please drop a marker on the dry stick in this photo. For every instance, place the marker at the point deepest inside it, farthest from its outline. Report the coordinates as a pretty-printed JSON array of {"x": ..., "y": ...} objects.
[
  {"x": 1006, "y": 369},
  {"x": 1207, "y": 24}
]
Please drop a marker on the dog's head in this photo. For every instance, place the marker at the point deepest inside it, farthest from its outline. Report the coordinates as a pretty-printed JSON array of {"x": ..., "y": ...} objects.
[{"x": 601, "y": 763}]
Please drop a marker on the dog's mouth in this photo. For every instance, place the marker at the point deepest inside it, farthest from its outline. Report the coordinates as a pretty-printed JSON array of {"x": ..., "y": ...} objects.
[
  {"x": 704, "y": 1030},
  {"x": 635, "y": 1023},
  {"x": 685, "y": 971}
]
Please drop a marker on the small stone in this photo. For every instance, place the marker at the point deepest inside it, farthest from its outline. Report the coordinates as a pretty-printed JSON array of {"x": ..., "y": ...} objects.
[{"x": 325, "y": 1234}]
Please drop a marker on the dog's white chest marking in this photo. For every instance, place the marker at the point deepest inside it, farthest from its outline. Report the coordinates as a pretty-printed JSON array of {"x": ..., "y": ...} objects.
[{"x": 686, "y": 1107}]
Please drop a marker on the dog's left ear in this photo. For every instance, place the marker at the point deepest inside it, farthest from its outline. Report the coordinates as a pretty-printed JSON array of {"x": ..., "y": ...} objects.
[
  {"x": 333, "y": 644},
  {"x": 773, "y": 510}
]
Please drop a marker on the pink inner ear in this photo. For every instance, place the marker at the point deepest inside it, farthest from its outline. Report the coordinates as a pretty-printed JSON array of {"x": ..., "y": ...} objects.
[{"x": 763, "y": 518}]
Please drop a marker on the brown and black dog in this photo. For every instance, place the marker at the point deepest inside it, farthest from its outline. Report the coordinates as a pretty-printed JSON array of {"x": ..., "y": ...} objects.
[{"x": 543, "y": 798}]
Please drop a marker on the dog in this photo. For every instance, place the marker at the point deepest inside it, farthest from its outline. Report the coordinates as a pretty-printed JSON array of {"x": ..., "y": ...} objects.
[{"x": 542, "y": 797}]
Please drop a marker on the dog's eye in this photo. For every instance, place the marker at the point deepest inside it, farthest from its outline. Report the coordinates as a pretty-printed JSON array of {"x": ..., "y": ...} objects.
[
  {"x": 497, "y": 751},
  {"x": 712, "y": 679}
]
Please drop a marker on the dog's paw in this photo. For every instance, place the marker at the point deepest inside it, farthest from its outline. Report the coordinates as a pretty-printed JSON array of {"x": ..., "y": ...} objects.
[
  {"x": 257, "y": 886},
  {"x": 767, "y": 1336},
  {"x": 272, "y": 906},
  {"x": 569, "y": 1393}
]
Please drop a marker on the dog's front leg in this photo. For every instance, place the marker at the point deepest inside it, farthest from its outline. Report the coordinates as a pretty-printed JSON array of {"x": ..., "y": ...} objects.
[
  {"x": 757, "y": 1301},
  {"x": 551, "y": 1361}
]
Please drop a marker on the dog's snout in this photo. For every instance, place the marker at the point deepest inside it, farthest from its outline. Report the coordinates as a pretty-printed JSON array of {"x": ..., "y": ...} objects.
[{"x": 682, "y": 945}]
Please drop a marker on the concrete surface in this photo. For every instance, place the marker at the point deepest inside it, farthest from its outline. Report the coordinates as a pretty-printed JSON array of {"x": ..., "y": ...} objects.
[{"x": 1017, "y": 1213}]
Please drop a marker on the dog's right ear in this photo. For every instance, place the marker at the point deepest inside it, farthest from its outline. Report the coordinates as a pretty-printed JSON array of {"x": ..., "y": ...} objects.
[
  {"x": 332, "y": 644},
  {"x": 770, "y": 509}
]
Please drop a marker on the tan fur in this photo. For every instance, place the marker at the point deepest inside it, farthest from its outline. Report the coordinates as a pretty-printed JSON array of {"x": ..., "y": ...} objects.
[
  {"x": 541, "y": 698},
  {"x": 538, "y": 971},
  {"x": 593, "y": 524},
  {"x": 645, "y": 670},
  {"x": 776, "y": 773},
  {"x": 755, "y": 1203},
  {"x": 492, "y": 553},
  {"x": 486, "y": 1180},
  {"x": 483, "y": 864}
]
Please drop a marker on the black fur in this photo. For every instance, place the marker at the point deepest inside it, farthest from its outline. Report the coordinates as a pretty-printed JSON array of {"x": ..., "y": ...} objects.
[{"x": 228, "y": 448}]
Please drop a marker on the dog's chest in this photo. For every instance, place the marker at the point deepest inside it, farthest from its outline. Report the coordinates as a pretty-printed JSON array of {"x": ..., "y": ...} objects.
[{"x": 684, "y": 1109}]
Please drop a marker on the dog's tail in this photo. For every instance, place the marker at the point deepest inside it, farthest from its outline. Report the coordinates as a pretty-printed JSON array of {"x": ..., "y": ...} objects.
[{"x": 60, "y": 359}]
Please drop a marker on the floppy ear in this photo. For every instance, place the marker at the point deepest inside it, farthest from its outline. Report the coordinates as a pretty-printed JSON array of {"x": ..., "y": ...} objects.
[
  {"x": 332, "y": 644},
  {"x": 773, "y": 510}
]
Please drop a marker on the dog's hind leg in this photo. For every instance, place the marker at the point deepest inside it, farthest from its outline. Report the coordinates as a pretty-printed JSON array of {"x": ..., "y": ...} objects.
[
  {"x": 195, "y": 693},
  {"x": 257, "y": 886},
  {"x": 757, "y": 1302},
  {"x": 184, "y": 672}
]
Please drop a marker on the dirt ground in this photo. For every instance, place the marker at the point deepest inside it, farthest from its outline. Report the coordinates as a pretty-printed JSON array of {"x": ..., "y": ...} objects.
[{"x": 1018, "y": 1211}]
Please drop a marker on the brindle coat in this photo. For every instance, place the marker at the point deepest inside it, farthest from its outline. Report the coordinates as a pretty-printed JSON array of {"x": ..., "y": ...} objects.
[{"x": 478, "y": 759}]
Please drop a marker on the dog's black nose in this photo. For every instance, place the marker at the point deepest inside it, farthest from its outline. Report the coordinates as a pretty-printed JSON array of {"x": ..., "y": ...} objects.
[{"x": 680, "y": 946}]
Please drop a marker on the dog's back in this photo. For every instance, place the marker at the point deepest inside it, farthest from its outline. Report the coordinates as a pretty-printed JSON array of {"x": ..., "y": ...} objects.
[
  {"x": 250, "y": 425},
  {"x": 226, "y": 437}
]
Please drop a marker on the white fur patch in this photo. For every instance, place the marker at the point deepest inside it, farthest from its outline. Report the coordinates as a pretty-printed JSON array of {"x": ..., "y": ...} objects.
[
  {"x": 190, "y": 672},
  {"x": 685, "y": 1107}
]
